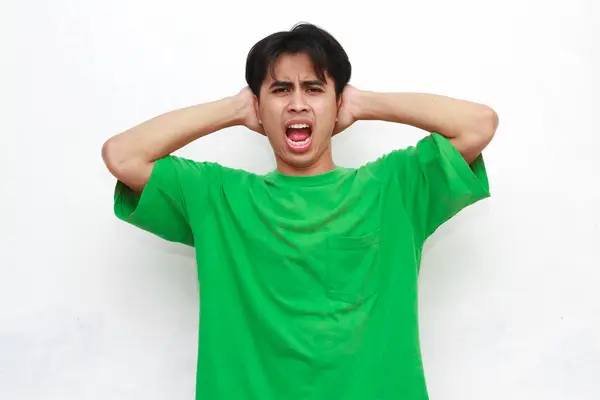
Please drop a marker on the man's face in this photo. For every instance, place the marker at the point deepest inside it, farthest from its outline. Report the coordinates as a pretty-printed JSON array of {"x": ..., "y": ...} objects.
[{"x": 298, "y": 114}]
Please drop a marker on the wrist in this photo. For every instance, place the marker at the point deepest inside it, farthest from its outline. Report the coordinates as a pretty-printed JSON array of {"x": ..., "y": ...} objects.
[
  {"x": 237, "y": 109},
  {"x": 366, "y": 107}
]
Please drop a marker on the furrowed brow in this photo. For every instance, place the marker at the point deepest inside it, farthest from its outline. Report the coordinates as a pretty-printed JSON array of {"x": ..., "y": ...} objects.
[{"x": 288, "y": 84}]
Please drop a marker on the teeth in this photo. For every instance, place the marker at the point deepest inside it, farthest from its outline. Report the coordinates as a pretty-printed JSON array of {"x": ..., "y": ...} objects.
[
  {"x": 300, "y": 143},
  {"x": 298, "y": 126}
]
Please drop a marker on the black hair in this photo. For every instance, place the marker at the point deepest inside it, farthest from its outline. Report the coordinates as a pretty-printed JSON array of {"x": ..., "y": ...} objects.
[{"x": 325, "y": 52}]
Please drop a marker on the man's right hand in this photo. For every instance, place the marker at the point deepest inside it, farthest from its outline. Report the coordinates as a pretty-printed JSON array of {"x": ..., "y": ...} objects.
[{"x": 249, "y": 117}]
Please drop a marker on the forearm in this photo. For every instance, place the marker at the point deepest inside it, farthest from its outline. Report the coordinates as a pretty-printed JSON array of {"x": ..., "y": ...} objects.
[
  {"x": 164, "y": 134},
  {"x": 434, "y": 113},
  {"x": 469, "y": 126}
]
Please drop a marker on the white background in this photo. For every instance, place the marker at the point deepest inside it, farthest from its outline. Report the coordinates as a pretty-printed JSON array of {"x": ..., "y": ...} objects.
[{"x": 91, "y": 308}]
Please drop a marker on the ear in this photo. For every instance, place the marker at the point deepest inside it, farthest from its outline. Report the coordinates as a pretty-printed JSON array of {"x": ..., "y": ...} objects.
[
  {"x": 255, "y": 102},
  {"x": 338, "y": 104}
]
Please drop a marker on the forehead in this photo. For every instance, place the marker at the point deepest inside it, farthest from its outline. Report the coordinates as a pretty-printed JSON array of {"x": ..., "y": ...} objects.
[{"x": 292, "y": 67}]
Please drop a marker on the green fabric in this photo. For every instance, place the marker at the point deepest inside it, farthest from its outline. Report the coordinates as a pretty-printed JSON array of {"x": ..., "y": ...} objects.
[{"x": 309, "y": 284}]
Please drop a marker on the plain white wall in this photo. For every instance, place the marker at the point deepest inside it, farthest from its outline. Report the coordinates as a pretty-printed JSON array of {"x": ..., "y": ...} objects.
[{"x": 91, "y": 308}]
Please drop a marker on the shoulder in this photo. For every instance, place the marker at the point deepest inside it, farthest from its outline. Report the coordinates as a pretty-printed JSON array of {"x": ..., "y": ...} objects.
[
  {"x": 431, "y": 148},
  {"x": 186, "y": 169}
]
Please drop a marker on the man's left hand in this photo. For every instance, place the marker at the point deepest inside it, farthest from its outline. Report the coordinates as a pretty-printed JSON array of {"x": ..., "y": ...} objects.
[{"x": 349, "y": 109}]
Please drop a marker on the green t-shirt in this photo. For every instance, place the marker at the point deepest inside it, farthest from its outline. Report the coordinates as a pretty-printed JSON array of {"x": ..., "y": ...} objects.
[{"x": 308, "y": 284}]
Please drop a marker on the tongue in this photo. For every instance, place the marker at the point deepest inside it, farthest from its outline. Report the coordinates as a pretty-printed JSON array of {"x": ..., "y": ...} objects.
[{"x": 298, "y": 135}]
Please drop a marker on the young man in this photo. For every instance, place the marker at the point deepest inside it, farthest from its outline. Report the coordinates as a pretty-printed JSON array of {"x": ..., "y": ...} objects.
[{"x": 309, "y": 273}]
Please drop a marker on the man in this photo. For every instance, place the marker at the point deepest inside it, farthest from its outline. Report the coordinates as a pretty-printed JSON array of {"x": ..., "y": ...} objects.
[{"x": 309, "y": 273}]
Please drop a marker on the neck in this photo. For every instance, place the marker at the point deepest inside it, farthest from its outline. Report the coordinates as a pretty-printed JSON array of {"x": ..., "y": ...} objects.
[{"x": 321, "y": 165}]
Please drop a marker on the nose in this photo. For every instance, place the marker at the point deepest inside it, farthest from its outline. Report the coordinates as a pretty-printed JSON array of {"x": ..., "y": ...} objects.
[{"x": 297, "y": 102}]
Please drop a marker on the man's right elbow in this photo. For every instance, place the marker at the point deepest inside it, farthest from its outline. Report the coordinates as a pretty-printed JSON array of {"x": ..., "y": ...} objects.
[
  {"x": 133, "y": 173},
  {"x": 111, "y": 157}
]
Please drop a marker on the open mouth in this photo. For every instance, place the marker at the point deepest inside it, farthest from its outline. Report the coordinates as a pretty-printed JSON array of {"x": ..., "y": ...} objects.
[{"x": 298, "y": 136}]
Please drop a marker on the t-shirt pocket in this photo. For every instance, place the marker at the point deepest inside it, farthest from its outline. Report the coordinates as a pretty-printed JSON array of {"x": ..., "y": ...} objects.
[{"x": 353, "y": 273}]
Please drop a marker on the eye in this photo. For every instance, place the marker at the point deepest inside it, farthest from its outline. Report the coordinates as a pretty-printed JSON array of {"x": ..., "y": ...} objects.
[
  {"x": 315, "y": 89},
  {"x": 280, "y": 90}
]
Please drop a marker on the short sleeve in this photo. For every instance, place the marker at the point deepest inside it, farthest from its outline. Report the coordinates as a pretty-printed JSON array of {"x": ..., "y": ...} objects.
[
  {"x": 163, "y": 206},
  {"x": 435, "y": 181}
]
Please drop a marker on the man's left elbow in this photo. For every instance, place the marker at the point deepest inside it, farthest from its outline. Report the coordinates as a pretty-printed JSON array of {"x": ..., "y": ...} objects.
[{"x": 480, "y": 133}]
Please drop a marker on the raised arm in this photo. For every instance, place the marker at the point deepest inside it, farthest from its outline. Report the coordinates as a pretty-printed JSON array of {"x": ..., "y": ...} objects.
[
  {"x": 130, "y": 155},
  {"x": 441, "y": 174},
  {"x": 469, "y": 126}
]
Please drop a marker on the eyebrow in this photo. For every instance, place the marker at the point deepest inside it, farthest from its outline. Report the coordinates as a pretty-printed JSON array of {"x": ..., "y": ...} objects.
[{"x": 288, "y": 84}]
